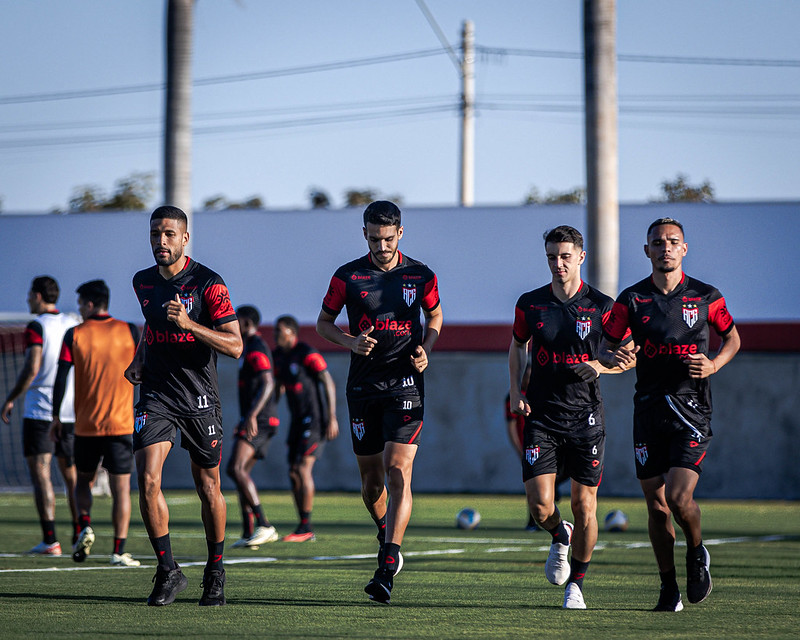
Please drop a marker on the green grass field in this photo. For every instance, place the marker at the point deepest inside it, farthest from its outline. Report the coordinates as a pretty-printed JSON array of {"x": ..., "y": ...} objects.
[{"x": 486, "y": 583}]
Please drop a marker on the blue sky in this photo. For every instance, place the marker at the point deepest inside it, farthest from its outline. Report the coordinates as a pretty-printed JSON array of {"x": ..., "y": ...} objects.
[{"x": 736, "y": 124}]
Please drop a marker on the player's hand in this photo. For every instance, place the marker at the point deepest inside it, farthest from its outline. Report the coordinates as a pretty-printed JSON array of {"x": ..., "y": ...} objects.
[
  {"x": 333, "y": 429},
  {"x": 363, "y": 344},
  {"x": 252, "y": 427},
  {"x": 176, "y": 312},
  {"x": 7, "y": 407},
  {"x": 587, "y": 371},
  {"x": 699, "y": 365},
  {"x": 518, "y": 404},
  {"x": 623, "y": 357},
  {"x": 133, "y": 373},
  {"x": 55, "y": 430},
  {"x": 419, "y": 359}
]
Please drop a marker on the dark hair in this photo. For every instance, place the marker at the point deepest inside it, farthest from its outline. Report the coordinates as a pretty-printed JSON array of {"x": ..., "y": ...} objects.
[
  {"x": 47, "y": 287},
  {"x": 96, "y": 292},
  {"x": 289, "y": 321},
  {"x": 662, "y": 221},
  {"x": 383, "y": 213},
  {"x": 169, "y": 212},
  {"x": 249, "y": 312},
  {"x": 564, "y": 233}
]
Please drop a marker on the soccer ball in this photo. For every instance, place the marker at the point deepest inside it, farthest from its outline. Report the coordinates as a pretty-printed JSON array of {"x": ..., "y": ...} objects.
[
  {"x": 467, "y": 518},
  {"x": 616, "y": 520}
]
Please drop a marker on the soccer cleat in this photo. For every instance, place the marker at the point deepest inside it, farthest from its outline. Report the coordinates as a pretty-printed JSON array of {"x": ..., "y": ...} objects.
[
  {"x": 83, "y": 545},
  {"x": 241, "y": 542},
  {"x": 557, "y": 569},
  {"x": 379, "y": 588},
  {"x": 44, "y": 549},
  {"x": 573, "y": 597},
  {"x": 168, "y": 584},
  {"x": 698, "y": 578},
  {"x": 669, "y": 600},
  {"x": 124, "y": 560},
  {"x": 308, "y": 536},
  {"x": 262, "y": 535},
  {"x": 213, "y": 588}
]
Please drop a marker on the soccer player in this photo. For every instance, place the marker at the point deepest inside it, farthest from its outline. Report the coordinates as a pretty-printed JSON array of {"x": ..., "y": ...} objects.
[
  {"x": 100, "y": 349},
  {"x": 564, "y": 425},
  {"x": 301, "y": 371},
  {"x": 259, "y": 423},
  {"x": 669, "y": 314},
  {"x": 384, "y": 292},
  {"x": 188, "y": 320},
  {"x": 43, "y": 338}
]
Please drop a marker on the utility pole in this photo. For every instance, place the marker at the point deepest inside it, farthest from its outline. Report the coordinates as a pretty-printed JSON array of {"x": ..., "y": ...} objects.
[
  {"x": 178, "y": 109},
  {"x": 602, "y": 155},
  {"x": 467, "y": 186}
]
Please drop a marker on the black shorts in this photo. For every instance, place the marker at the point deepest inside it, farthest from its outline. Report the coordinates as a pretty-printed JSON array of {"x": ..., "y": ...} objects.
[
  {"x": 201, "y": 436},
  {"x": 306, "y": 438},
  {"x": 36, "y": 440},
  {"x": 261, "y": 442},
  {"x": 374, "y": 421},
  {"x": 667, "y": 435},
  {"x": 116, "y": 453},
  {"x": 578, "y": 456}
]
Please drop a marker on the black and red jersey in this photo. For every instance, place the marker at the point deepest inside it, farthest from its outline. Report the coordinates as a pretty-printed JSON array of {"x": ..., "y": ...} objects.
[
  {"x": 562, "y": 335},
  {"x": 668, "y": 328},
  {"x": 298, "y": 369},
  {"x": 391, "y": 301},
  {"x": 256, "y": 358},
  {"x": 180, "y": 372}
]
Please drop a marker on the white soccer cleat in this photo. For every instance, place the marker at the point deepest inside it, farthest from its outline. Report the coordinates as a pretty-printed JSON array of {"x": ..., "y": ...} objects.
[
  {"x": 262, "y": 535},
  {"x": 44, "y": 549},
  {"x": 573, "y": 597},
  {"x": 241, "y": 542},
  {"x": 124, "y": 560},
  {"x": 556, "y": 569}
]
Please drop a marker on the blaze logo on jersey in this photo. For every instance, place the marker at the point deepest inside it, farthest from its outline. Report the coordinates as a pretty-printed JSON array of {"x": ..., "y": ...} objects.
[
  {"x": 409, "y": 293},
  {"x": 139, "y": 422},
  {"x": 583, "y": 326},
  {"x": 641, "y": 453},
  {"x": 358, "y": 428},
  {"x": 532, "y": 455},
  {"x": 186, "y": 301},
  {"x": 690, "y": 314}
]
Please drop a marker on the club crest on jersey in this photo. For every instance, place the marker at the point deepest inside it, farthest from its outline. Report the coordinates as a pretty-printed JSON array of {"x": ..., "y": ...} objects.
[
  {"x": 358, "y": 428},
  {"x": 641, "y": 453},
  {"x": 409, "y": 293},
  {"x": 690, "y": 314},
  {"x": 532, "y": 455},
  {"x": 583, "y": 326},
  {"x": 186, "y": 301}
]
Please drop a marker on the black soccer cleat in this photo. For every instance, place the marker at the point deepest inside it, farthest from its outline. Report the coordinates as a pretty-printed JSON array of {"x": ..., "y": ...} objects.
[
  {"x": 168, "y": 584},
  {"x": 213, "y": 588},
  {"x": 698, "y": 578},
  {"x": 669, "y": 600},
  {"x": 379, "y": 588}
]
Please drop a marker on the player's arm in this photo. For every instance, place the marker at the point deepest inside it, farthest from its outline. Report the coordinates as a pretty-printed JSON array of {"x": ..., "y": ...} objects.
[
  {"x": 330, "y": 397},
  {"x": 30, "y": 368},
  {"x": 225, "y": 338},
  {"x": 700, "y": 366},
  {"x": 511, "y": 428},
  {"x": 133, "y": 373},
  {"x": 362, "y": 344},
  {"x": 433, "y": 327},
  {"x": 266, "y": 386},
  {"x": 517, "y": 361},
  {"x": 616, "y": 348},
  {"x": 60, "y": 384}
]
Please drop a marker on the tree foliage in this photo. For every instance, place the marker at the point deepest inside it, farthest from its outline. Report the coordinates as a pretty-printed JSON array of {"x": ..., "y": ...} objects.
[
  {"x": 221, "y": 203},
  {"x": 575, "y": 196},
  {"x": 318, "y": 198},
  {"x": 131, "y": 193},
  {"x": 679, "y": 190}
]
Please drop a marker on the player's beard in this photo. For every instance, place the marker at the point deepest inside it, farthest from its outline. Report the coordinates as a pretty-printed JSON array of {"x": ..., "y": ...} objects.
[
  {"x": 384, "y": 258},
  {"x": 169, "y": 260}
]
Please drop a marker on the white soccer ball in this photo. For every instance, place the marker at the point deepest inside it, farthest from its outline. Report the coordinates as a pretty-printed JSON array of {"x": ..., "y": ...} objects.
[
  {"x": 616, "y": 520},
  {"x": 467, "y": 518}
]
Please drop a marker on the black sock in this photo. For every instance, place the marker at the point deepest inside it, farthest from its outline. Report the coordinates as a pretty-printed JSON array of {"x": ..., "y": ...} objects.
[
  {"x": 669, "y": 580},
  {"x": 48, "y": 531},
  {"x": 560, "y": 533},
  {"x": 84, "y": 520},
  {"x": 258, "y": 514},
  {"x": 163, "y": 549},
  {"x": 119, "y": 546},
  {"x": 214, "y": 555},
  {"x": 305, "y": 522},
  {"x": 577, "y": 572},
  {"x": 390, "y": 557},
  {"x": 381, "y": 529},
  {"x": 247, "y": 522}
]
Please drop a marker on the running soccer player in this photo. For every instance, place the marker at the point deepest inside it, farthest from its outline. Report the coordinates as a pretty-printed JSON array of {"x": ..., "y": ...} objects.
[
  {"x": 188, "y": 320},
  {"x": 564, "y": 425},
  {"x": 100, "y": 349},
  {"x": 43, "y": 338},
  {"x": 669, "y": 314},
  {"x": 384, "y": 292},
  {"x": 301, "y": 371},
  {"x": 259, "y": 423}
]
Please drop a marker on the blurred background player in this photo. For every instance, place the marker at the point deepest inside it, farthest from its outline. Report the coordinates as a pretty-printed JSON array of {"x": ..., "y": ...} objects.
[
  {"x": 670, "y": 316},
  {"x": 385, "y": 293},
  {"x": 43, "y": 337},
  {"x": 100, "y": 349},
  {"x": 259, "y": 423},
  {"x": 303, "y": 376}
]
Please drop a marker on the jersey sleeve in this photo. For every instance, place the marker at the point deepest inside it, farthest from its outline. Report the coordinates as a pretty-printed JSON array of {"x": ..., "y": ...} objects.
[
  {"x": 522, "y": 332},
  {"x": 34, "y": 334},
  {"x": 616, "y": 324},
  {"x": 66, "y": 347},
  {"x": 430, "y": 299},
  {"x": 719, "y": 317},
  {"x": 218, "y": 301},
  {"x": 335, "y": 299},
  {"x": 314, "y": 362},
  {"x": 258, "y": 361}
]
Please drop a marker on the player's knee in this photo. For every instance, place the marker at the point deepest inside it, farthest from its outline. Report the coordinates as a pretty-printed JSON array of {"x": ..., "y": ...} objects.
[{"x": 679, "y": 500}]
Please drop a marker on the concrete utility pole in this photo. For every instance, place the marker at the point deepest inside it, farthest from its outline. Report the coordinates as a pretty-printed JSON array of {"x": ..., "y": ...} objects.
[
  {"x": 602, "y": 157},
  {"x": 178, "y": 109},
  {"x": 467, "y": 188}
]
